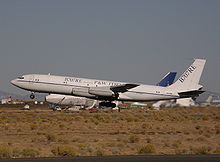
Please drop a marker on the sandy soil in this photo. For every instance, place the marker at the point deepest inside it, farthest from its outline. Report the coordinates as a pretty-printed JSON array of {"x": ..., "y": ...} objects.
[{"x": 44, "y": 133}]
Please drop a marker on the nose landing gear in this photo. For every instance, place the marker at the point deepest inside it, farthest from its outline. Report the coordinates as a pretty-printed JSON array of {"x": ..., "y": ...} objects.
[{"x": 32, "y": 96}]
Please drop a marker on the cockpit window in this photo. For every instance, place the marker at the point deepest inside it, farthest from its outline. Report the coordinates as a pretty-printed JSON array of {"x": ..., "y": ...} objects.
[{"x": 21, "y": 77}]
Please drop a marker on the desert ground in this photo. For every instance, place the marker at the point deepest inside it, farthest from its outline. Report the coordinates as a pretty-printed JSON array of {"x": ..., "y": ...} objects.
[{"x": 41, "y": 132}]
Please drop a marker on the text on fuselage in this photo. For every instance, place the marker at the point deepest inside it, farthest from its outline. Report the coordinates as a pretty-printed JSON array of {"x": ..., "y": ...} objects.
[
  {"x": 187, "y": 73},
  {"x": 76, "y": 80},
  {"x": 95, "y": 82}
]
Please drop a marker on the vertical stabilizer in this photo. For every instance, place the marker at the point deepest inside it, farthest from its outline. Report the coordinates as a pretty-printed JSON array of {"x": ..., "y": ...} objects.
[
  {"x": 209, "y": 99},
  {"x": 94, "y": 104},
  {"x": 167, "y": 79},
  {"x": 189, "y": 80}
]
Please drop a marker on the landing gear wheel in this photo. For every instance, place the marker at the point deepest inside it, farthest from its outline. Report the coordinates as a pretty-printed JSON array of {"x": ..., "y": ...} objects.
[
  {"x": 32, "y": 96},
  {"x": 107, "y": 104}
]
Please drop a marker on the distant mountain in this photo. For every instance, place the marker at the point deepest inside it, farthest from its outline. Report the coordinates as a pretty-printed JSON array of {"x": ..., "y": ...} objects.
[{"x": 38, "y": 97}]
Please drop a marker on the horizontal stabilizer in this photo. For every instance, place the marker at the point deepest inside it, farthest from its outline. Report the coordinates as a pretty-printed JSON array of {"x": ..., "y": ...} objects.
[{"x": 190, "y": 94}]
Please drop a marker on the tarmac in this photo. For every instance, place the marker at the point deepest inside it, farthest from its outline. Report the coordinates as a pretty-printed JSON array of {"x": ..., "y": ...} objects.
[{"x": 140, "y": 158}]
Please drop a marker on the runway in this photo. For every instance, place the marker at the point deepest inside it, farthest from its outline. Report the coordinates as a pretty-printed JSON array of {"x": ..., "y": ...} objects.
[{"x": 140, "y": 158}]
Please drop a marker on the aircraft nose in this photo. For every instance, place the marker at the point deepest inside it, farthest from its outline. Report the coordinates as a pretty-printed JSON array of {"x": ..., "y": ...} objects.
[{"x": 13, "y": 82}]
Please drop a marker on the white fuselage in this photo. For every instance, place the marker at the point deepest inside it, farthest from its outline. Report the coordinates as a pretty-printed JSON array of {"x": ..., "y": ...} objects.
[{"x": 80, "y": 86}]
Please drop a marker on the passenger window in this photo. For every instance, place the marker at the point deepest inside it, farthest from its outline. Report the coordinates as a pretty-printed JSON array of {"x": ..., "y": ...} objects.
[{"x": 20, "y": 77}]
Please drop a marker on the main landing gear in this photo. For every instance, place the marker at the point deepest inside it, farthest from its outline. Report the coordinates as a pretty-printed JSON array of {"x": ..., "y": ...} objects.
[
  {"x": 32, "y": 96},
  {"x": 109, "y": 105}
]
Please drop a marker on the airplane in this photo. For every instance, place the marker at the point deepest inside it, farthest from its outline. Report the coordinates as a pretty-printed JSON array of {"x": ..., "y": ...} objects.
[
  {"x": 185, "y": 102},
  {"x": 108, "y": 91},
  {"x": 57, "y": 100},
  {"x": 67, "y": 100},
  {"x": 181, "y": 102},
  {"x": 211, "y": 101}
]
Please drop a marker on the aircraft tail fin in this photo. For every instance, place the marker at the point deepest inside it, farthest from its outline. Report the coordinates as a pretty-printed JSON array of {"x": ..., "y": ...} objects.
[
  {"x": 209, "y": 99},
  {"x": 189, "y": 80},
  {"x": 167, "y": 79},
  {"x": 93, "y": 106}
]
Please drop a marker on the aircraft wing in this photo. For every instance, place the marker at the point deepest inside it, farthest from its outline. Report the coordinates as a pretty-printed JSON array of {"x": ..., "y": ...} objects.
[
  {"x": 110, "y": 91},
  {"x": 123, "y": 88}
]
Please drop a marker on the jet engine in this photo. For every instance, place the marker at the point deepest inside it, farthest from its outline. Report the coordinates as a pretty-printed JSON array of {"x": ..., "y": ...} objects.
[{"x": 101, "y": 91}]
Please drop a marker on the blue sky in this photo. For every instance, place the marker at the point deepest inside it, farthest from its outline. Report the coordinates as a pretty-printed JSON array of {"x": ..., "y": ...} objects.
[{"x": 121, "y": 40}]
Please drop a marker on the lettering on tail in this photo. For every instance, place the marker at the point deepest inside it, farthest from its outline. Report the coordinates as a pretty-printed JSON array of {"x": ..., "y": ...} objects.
[{"x": 187, "y": 73}]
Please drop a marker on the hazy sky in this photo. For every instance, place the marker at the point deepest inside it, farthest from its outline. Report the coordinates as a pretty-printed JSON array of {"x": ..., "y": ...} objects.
[{"x": 121, "y": 40}]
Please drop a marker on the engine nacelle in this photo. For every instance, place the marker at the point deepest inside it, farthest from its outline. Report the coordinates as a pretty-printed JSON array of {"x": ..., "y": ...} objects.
[
  {"x": 82, "y": 92},
  {"x": 101, "y": 91}
]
